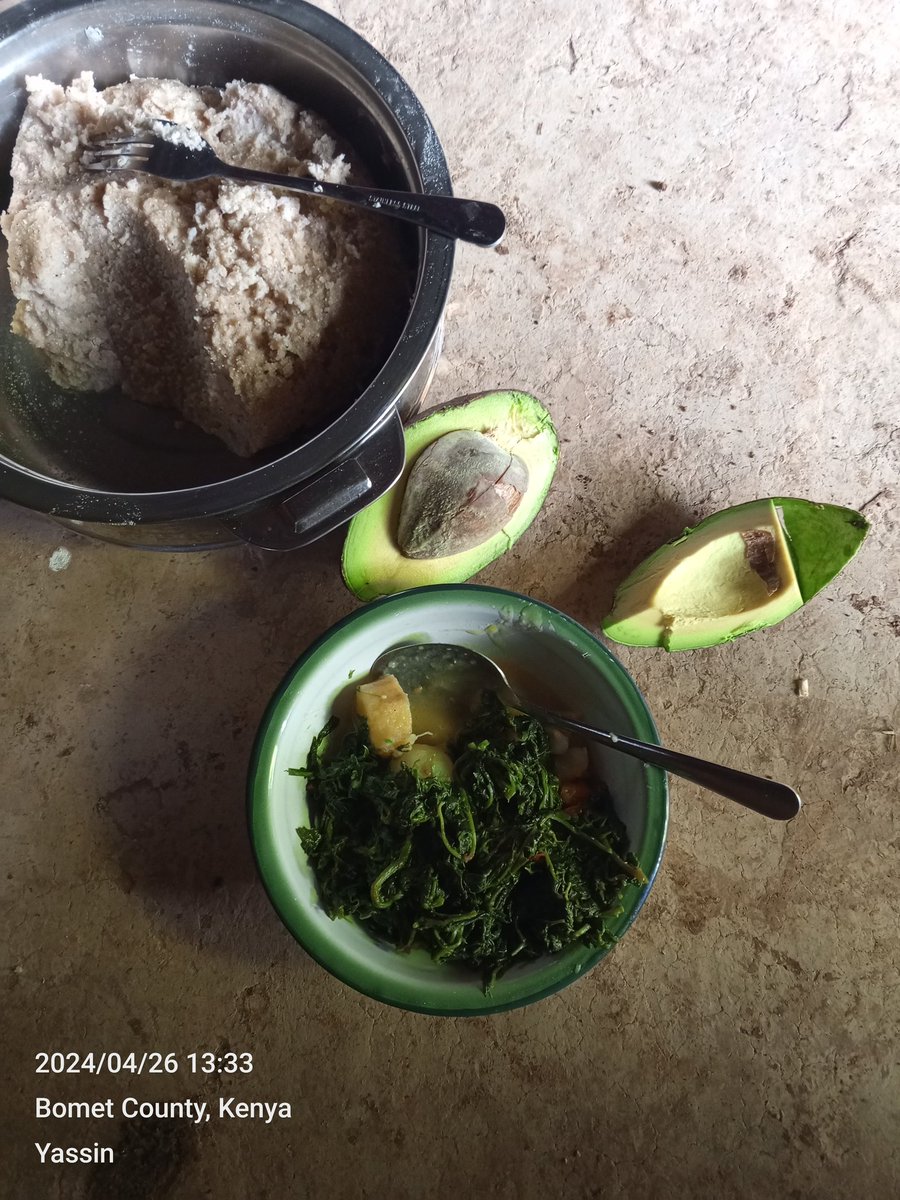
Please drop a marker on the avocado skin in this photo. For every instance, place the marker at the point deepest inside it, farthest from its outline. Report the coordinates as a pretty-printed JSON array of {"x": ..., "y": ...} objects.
[
  {"x": 372, "y": 563},
  {"x": 822, "y": 538}
]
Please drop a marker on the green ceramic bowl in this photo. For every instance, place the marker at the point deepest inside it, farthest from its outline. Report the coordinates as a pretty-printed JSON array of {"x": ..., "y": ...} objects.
[{"x": 550, "y": 646}]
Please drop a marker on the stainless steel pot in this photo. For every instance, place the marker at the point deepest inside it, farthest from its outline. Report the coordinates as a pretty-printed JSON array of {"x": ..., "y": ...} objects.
[{"x": 122, "y": 471}]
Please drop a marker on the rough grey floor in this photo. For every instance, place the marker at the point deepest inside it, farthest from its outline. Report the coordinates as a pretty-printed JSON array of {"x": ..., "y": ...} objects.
[{"x": 730, "y": 335}]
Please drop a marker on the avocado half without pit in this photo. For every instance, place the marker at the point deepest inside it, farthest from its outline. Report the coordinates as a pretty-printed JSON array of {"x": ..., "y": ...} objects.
[
  {"x": 477, "y": 472},
  {"x": 742, "y": 569}
]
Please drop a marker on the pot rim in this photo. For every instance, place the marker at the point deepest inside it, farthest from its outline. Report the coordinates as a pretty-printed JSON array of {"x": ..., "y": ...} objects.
[{"x": 372, "y": 407}]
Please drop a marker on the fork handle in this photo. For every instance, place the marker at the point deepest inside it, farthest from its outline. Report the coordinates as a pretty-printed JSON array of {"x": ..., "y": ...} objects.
[{"x": 469, "y": 220}]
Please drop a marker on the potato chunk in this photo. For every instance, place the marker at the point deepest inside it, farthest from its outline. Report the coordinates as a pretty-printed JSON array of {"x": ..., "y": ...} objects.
[
  {"x": 428, "y": 762},
  {"x": 572, "y": 764},
  {"x": 385, "y": 706}
]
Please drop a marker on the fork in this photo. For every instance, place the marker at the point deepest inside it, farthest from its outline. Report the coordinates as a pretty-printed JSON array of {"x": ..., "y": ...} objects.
[{"x": 473, "y": 221}]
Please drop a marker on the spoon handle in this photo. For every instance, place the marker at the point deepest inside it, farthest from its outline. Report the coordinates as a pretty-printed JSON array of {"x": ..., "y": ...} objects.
[
  {"x": 475, "y": 221},
  {"x": 765, "y": 796}
]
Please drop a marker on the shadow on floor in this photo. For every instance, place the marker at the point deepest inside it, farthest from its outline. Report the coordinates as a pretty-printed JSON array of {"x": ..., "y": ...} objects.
[
  {"x": 590, "y": 598},
  {"x": 180, "y": 737}
]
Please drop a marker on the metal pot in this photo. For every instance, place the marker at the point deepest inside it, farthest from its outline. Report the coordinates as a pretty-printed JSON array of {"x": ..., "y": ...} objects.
[{"x": 124, "y": 472}]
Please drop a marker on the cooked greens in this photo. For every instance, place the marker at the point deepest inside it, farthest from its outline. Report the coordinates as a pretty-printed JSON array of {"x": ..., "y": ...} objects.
[{"x": 485, "y": 870}]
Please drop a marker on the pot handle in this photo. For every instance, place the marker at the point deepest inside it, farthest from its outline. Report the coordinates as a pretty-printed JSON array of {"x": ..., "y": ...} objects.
[{"x": 329, "y": 499}]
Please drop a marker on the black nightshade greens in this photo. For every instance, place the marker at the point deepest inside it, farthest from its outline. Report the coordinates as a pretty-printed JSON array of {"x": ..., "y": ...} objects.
[{"x": 485, "y": 871}]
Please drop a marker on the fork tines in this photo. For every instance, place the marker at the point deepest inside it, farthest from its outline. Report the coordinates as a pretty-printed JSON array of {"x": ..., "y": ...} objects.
[
  {"x": 124, "y": 139},
  {"x": 116, "y": 153}
]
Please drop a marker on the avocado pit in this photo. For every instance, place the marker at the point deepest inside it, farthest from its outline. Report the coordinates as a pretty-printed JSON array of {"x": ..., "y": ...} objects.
[
  {"x": 462, "y": 490},
  {"x": 761, "y": 552}
]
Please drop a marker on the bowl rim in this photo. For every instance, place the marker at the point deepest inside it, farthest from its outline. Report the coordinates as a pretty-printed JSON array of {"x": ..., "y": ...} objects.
[{"x": 292, "y": 913}]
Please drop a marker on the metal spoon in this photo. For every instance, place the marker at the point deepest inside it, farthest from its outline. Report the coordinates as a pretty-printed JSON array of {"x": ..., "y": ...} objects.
[{"x": 416, "y": 665}]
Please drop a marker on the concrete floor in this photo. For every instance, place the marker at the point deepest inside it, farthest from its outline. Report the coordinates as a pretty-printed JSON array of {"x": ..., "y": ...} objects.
[{"x": 732, "y": 335}]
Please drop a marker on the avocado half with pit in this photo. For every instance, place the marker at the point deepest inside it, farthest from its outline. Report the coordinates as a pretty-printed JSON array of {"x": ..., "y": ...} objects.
[
  {"x": 400, "y": 541},
  {"x": 742, "y": 569}
]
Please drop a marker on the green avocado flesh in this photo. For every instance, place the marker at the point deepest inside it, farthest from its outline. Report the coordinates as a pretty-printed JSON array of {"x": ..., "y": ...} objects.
[
  {"x": 373, "y": 563},
  {"x": 742, "y": 569}
]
